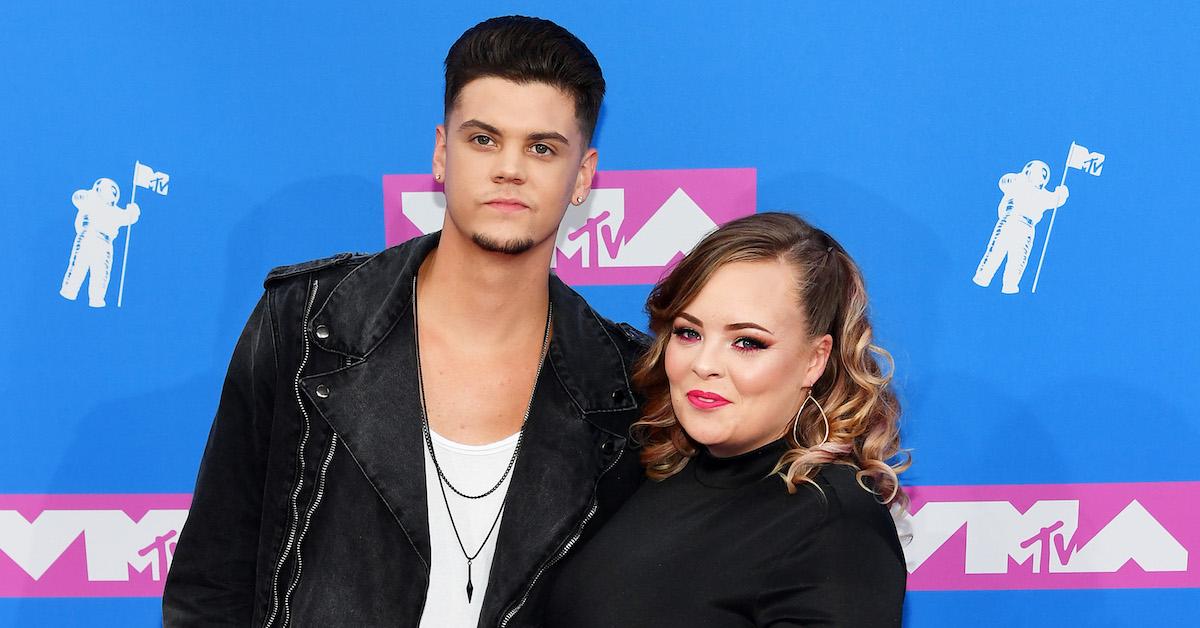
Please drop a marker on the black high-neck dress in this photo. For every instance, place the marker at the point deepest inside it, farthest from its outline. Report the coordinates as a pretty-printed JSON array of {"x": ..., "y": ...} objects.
[{"x": 723, "y": 544}]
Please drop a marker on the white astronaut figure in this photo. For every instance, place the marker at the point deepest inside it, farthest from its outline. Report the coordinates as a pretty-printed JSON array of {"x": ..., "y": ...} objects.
[
  {"x": 1025, "y": 200},
  {"x": 97, "y": 223}
]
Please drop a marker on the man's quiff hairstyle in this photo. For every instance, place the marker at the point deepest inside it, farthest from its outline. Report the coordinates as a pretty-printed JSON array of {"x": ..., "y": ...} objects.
[{"x": 528, "y": 50}]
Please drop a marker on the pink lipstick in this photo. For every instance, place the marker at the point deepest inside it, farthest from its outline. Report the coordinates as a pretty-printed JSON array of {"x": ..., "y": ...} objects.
[{"x": 706, "y": 400}]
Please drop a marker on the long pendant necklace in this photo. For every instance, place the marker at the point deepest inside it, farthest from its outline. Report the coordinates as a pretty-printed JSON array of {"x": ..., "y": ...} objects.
[{"x": 444, "y": 481}]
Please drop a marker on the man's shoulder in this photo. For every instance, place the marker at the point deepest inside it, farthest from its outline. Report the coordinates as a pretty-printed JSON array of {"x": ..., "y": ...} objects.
[
  {"x": 629, "y": 335},
  {"x": 629, "y": 338},
  {"x": 341, "y": 261},
  {"x": 630, "y": 342}
]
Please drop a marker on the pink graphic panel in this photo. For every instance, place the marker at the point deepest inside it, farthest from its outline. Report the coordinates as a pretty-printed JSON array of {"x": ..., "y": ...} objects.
[
  {"x": 634, "y": 224},
  {"x": 88, "y": 545},
  {"x": 1054, "y": 536}
]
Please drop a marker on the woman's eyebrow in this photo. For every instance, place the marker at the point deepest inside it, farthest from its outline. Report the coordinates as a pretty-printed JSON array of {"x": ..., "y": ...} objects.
[{"x": 749, "y": 326}]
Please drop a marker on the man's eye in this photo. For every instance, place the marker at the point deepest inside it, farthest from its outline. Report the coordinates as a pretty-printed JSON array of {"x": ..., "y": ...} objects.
[
  {"x": 482, "y": 140},
  {"x": 543, "y": 149}
]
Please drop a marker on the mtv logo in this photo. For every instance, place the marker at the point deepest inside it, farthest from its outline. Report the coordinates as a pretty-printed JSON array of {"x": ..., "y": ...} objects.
[
  {"x": 160, "y": 183},
  {"x": 633, "y": 225},
  {"x": 88, "y": 545},
  {"x": 1094, "y": 165},
  {"x": 1052, "y": 536}
]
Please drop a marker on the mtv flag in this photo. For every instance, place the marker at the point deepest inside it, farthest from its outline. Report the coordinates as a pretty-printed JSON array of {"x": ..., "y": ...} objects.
[
  {"x": 145, "y": 177},
  {"x": 1080, "y": 158},
  {"x": 1054, "y": 536},
  {"x": 633, "y": 225}
]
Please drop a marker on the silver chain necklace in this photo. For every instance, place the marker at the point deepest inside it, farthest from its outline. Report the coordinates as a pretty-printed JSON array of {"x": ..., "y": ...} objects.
[{"x": 443, "y": 481}]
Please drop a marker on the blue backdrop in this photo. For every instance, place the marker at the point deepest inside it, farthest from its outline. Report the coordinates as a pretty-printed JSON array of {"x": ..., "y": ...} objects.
[{"x": 888, "y": 124}]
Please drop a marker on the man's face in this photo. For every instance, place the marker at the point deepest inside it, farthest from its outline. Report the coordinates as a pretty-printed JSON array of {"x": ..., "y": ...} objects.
[{"x": 512, "y": 157}]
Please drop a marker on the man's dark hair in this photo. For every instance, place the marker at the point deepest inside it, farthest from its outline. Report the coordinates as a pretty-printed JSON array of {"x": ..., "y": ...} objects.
[{"x": 528, "y": 50}]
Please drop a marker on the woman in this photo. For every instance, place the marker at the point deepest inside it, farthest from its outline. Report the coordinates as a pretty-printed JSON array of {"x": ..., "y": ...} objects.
[{"x": 768, "y": 433}]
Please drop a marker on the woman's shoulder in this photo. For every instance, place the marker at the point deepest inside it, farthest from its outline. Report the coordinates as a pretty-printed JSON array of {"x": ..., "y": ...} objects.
[
  {"x": 844, "y": 498},
  {"x": 846, "y": 521}
]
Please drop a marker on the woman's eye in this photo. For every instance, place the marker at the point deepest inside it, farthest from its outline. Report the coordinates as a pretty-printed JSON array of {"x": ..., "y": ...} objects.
[
  {"x": 543, "y": 149},
  {"x": 686, "y": 334},
  {"x": 748, "y": 344}
]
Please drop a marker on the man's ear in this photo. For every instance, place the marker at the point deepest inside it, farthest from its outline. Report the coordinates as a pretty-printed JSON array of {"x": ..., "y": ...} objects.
[
  {"x": 439, "y": 152},
  {"x": 587, "y": 170}
]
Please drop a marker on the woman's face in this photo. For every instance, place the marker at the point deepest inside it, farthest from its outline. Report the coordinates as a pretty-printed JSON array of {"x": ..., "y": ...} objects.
[{"x": 740, "y": 359}]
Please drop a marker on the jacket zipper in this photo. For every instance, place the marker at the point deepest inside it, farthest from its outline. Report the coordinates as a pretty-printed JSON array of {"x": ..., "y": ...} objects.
[
  {"x": 287, "y": 598},
  {"x": 565, "y": 549},
  {"x": 295, "y": 510}
]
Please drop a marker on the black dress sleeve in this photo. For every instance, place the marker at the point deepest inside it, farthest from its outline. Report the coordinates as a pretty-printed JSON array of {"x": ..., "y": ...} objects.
[{"x": 848, "y": 572}]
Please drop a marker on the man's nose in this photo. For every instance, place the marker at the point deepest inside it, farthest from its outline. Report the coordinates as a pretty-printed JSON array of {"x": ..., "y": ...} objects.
[{"x": 509, "y": 166}]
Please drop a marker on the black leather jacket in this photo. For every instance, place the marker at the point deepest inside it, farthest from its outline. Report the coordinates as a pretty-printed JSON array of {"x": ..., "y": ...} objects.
[{"x": 310, "y": 505}]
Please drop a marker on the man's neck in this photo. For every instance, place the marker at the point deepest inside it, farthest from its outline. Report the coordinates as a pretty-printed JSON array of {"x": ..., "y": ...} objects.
[{"x": 485, "y": 296}]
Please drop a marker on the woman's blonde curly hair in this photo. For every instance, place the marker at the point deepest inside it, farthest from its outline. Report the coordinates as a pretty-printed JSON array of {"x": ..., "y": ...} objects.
[{"x": 854, "y": 390}]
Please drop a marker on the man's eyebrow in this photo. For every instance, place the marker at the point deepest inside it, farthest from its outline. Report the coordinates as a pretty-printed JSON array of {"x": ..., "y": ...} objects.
[
  {"x": 539, "y": 136},
  {"x": 549, "y": 135},
  {"x": 479, "y": 124}
]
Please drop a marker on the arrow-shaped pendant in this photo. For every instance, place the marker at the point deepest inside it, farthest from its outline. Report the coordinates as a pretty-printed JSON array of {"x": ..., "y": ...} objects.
[{"x": 470, "y": 587}]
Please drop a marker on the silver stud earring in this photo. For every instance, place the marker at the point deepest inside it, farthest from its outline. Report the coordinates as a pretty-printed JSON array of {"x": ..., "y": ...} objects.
[
  {"x": 796, "y": 422},
  {"x": 437, "y": 177},
  {"x": 578, "y": 200}
]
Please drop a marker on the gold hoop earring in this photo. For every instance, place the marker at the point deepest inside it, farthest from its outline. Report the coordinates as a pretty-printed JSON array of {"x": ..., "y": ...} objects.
[{"x": 796, "y": 422}]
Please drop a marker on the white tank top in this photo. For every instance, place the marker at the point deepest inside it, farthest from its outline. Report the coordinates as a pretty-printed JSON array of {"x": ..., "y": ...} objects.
[{"x": 472, "y": 469}]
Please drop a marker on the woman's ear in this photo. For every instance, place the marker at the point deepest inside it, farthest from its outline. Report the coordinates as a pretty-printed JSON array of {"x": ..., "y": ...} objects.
[{"x": 821, "y": 349}]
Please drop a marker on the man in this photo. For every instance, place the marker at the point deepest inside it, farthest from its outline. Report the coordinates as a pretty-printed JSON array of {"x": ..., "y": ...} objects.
[{"x": 389, "y": 457}]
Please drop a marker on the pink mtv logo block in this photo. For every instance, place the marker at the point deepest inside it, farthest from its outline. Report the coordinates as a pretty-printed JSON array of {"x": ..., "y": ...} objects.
[
  {"x": 1054, "y": 536},
  {"x": 634, "y": 224},
  {"x": 88, "y": 545}
]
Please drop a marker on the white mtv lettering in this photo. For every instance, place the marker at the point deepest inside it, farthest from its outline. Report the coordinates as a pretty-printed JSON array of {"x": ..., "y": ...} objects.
[
  {"x": 426, "y": 210},
  {"x": 1135, "y": 535},
  {"x": 113, "y": 541},
  {"x": 35, "y": 546},
  {"x": 592, "y": 229},
  {"x": 996, "y": 531},
  {"x": 584, "y": 227}
]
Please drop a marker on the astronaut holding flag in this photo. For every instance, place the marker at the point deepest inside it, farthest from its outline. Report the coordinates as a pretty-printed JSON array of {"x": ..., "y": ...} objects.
[
  {"x": 1025, "y": 201},
  {"x": 98, "y": 221}
]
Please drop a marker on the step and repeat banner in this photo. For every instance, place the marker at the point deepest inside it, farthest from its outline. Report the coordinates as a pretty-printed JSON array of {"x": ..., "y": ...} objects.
[{"x": 1016, "y": 180}]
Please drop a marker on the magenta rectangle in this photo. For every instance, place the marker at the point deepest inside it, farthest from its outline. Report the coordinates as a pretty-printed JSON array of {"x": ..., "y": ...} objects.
[
  {"x": 989, "y": 537},
  {"x": 89, "y": 545},
  {"x": 633, "y": 225},
  {"x": 1054, "y": 536}
]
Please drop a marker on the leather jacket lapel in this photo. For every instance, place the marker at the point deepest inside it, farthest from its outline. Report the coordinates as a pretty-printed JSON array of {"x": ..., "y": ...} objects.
[
  {"x": 552, "y": 489},
  {"x": 374, "y": 407}
]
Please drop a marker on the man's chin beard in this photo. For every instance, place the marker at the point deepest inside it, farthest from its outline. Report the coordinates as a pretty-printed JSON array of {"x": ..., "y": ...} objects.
[{"x": 515, "y": 246}]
